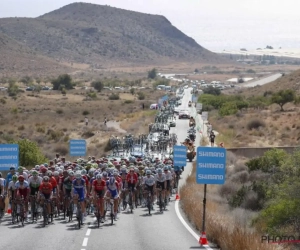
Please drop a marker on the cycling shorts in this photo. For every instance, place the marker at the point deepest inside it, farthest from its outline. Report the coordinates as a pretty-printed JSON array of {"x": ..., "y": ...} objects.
[
  {"x": 100, "y": 193},
  {"x": 168, "y": 184},
  {"x": 160, "y": 185},
  {"x": 34, "y": 191},
  {"x": 114, "y": 194},
  {"x": 68, "y": 192},
  {"x": 47, "y": 196},
  {"x": 149, "y": 188},
  {"x": 131, "y": 186},
  {"x": 80, "y": 193}
]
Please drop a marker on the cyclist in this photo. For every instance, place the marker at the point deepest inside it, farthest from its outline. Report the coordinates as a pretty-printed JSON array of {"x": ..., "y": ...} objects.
[
  {"x": 132, "y": 180},
  {"x": 22, "y": 188},
  {"x": 79, "y": 189},
  {"x": 98, "y": 191},
  {"x": 11, "y": 190},
  {"x": 53, "y": 182},
  {"x": 34, "y": 182},
  {"x": 168, "y": 179},
  {"x": 2, "y": 196},
  {"x": 46, "y": 191},
  {"x": 161, "y": 182},
  {"x": 149, "y": 185},
  {"x": 10, "y": 175},
  {"x": 112, "y": 188},
  {"x": 67, "y": 187}
]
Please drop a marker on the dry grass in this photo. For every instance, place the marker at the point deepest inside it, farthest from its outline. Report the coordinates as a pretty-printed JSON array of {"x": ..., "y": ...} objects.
[
  {"x": 259, "y": 127},
  {"x": 229, "y": 230},
  {"x": 51, "y": 119}
]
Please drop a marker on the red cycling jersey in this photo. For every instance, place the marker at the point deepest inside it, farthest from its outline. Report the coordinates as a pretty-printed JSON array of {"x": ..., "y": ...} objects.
[
  {"x": 86, "y": 180},
  {"x": 98, "y": 186},
  {"x": 46, "y": 188},
  {"x": 132, "y": 178},
  {"x": 53, "y": 182}
]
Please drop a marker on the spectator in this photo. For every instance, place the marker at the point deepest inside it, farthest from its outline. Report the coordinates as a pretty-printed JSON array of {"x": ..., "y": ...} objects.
[
  {"x": 212, "y": 137},
  {"x": 86, "y": 121}
]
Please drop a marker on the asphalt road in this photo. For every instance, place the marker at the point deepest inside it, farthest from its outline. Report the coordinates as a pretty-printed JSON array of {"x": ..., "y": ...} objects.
[
  {"x": 135, "y": 231},
  {"x": 262, "y": 81}
]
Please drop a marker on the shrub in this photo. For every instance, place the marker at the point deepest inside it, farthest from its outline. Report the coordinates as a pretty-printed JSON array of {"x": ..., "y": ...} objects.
[
  {"x": 141, "y": 95},
  {"x": 59, "y": 111},
  {"x": 114, "y": 96},
  {"x": 61, "y": 149},
  {"x": 92, "y": 95},
  {"x": 63, "y": 81},
  {"x": 54, "y": 135},
  {"x": 88, "y": 134},
  {"x": 41, "y": 129},
  {"x": 212, "y": 91},
  {"x": 128, "y": 101},
  {"x": 85, "y": 112},
  {"x": 255, "y": 124},
  {"x": 22, "y": 127},
  {"x": 98, "y": 85},
  {"x": 30, "y": 153},
  {"x": 3, "y": 101},
  {"x": 228, "y": 108}
]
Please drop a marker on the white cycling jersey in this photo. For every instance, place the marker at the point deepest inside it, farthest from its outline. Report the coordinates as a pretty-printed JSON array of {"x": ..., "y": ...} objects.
[
  {"x": 35, "y": 182},
  {"x": 2, "y": 182},
  {"x": 25, "y": 185},
  {"x": 149, "y": 181},
  {"x": 160, "y": 177},
  {"x": 168, "y": 176},
  {"x": 12, "y": 185}
]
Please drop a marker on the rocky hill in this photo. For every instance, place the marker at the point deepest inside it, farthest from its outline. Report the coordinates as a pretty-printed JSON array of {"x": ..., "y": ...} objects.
[
  {"x": 89, "y": 33},
  {"x": 21, "y": 60}
]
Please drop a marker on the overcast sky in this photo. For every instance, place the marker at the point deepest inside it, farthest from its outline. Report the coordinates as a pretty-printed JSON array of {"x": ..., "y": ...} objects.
[{"x": 173, "y": 9}]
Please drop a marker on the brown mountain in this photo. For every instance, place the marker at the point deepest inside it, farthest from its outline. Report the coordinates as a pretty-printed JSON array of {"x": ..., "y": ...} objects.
[
  {"x": 19, "y": 60},
  {"x": 89, "y": 33}
]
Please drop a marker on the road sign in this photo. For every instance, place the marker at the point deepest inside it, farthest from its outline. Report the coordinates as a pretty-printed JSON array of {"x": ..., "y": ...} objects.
[
  {"x": 199, "y": 106},
  {"x": 211, "y": 165},
  {"x": 179, "y": 156},
  {"x": 204, "y": 115},
  {"x": 9, "y": 156},
  {"x": 77, "y": 147}
]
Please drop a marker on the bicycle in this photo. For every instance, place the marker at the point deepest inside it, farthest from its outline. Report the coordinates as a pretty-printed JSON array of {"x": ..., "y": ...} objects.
[
  {"x": 97, "y": 212},
  {"x": 130, "y": 201},
  {"x": 79, "y": 214},
  {"x": 45, "y": 212},
  {"x": 68, "y": 210},
  {"x": 14, "y": 215},
  {"x": 34, "y": 207},
  {"x": 110, "y": 206},
  {"x": 149, "y": 202},
  {"x": 161, "y": 204},
  {"x": 21, "y": 211},
  {"x": 124, "y": 201}
]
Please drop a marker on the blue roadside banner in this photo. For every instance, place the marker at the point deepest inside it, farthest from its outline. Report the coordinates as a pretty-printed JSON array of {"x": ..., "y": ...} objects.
[
  {"x": 179, "y": 156},
  {"x": 9, "y": 156},
  {"x": 77, "y": 147},
  {"x": 211, "y": 165}
]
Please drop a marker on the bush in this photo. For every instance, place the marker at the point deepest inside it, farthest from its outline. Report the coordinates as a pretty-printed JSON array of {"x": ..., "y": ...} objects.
[
  {"x": 152, "y": 73},
  {"x": 61, "y": 149},
  {"x": 98, "y": 85},
  {"x": 92, "y": 95},
  {"x": 114, "y": 96},
  {"x": 212, "y": 91},
  {"x": 228, "y": 108},
  {"x": 30, "y": 153},
  {"x": 2, "y": 101},
  {"x": 59, "y": 111},
  {"x": 85, "y": 112},
  {"x": 141, "y": 96},
  {"x": 63, "y": 81},
  {"x": 88, "y": 134},
  {"x": 54, "y": 135},
  {"x": 41, "y": 129},
  {"x": 22, "y": 127},
  {"x": 255, "y": 124},
  {"x": 128, "y": 101}
]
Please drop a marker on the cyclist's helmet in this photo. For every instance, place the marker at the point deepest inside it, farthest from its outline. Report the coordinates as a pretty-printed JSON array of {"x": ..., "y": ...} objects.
[
  {"x": 116, "y": 173},
  {"x": 46, "y": 178},
  {"x": 98, "y": 176},
  {"x": 166, "y": 168},
  {"x": 49, "y": 173},
  {"x": 148, "y": 172},
  {"x": 21, "y": 178},
  {"x": 71, "y": 173},
  {"x": 43, "y": 170},
  {"x": 159, "y": 171},
  {"x": 34, "y": 173},
  {"x": 78, "y": 175},
  {"x": 83, "y": 172},
  {"x": 112, "y": 180},
  {"x": 104, "y": 174},
  {"x": 14, "y": 178},
  {"x": 56, "y": 173}
]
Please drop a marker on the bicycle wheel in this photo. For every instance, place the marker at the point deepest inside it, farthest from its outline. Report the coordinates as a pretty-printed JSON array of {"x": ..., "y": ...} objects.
[
  {"x": 124, "y": 203},
  {"x": 45, "y": 214},
  {"x": 79, "y": 215},
  {"x": 14, "y": 214},
  {"x": 112, "y": 213},
  {"x": 98, "y": 217},
  {"x": 149, "y": 204},
  {"x": 33, "y": 210},
  {"x": 130, "y": 202},
  {"x": 160, "y": 202},
  {"x": 71, "y": 208}
]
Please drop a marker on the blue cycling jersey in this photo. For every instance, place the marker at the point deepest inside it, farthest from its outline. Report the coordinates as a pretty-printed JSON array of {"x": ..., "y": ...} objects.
[{"x": 78, "y": 184}]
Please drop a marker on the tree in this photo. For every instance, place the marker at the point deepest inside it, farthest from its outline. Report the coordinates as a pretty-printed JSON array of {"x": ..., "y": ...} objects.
[
  {"x": 282, "y": 97},
  {"x": 30, "y": 153},
  {"x": 212, "y": 91},
  {"x": 152, "y": 73},
  {"x": 63, "y": 81},
  {"x": 98, "y": 85},
  {"x": 13, "y": 89}
]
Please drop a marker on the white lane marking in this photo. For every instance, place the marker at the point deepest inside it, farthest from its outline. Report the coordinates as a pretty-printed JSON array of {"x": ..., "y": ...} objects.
[
  {"x": 196, "y": 236},
  {"x": 88, "y": 232},
  {"x": 85, "y": 241}
]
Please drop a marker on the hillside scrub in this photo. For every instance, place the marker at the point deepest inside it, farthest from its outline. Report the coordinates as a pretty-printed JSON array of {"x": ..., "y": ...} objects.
[
  {"x": 270, "y": 186},
  {"x": 229, "y": 228}
]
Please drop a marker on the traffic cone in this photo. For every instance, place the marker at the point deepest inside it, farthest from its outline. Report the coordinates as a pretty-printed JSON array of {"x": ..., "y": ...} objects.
[
  {"x": 177, "y": 197},
  {"x": 203, "y": 240}
]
